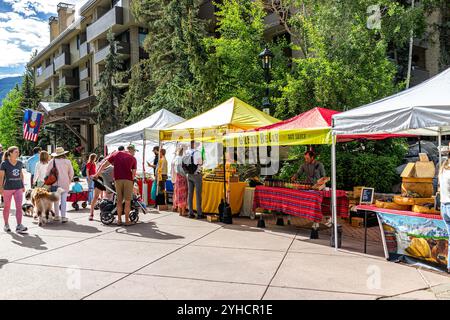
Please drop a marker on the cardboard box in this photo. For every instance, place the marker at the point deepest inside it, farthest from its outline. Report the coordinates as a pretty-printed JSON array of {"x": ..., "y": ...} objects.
[
  {"x": 357, "y": 192},
  {"x": 425, "y": 169},
  {"x": 357, "y": 222},
  {"x": 409, "y": 170},
  {"x": 212, "y": 218},
  {"x": 423, "y": 157}
]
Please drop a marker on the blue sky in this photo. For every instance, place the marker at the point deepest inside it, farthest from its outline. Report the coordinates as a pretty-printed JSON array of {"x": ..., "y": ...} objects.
[{"x": 24, "y": 28}]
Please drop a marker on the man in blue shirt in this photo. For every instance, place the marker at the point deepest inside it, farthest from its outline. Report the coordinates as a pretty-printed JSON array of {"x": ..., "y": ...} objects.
[{"x": 31, "y": 163}]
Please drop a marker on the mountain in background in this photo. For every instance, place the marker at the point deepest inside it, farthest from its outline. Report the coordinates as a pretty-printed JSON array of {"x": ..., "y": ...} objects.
[{"x": 6, "y": 84}]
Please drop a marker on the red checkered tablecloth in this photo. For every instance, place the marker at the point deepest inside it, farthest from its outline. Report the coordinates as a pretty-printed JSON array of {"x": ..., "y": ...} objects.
[{"x": 308, "y": 204}]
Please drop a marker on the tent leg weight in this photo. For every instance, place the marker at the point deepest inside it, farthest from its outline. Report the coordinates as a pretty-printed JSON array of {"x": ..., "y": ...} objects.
[
  {"x": 314, "y": 234},
  {"x": 261, "y": 222},
  {"x": 280, "y": 221}
]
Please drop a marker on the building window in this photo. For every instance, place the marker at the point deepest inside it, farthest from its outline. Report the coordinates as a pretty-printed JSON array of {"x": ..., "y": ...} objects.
[
  {"x": 142, "y": 34},
  {"x": 113, "y": 3},
  {"x": 39, "y": 71},
  {"x": 78, "y": 42}
]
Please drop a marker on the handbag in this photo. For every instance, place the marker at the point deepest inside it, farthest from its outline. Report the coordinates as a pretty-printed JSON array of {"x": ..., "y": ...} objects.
[
  {"x": 153, "y": 193},
  {"x": 53, "y": 176}
]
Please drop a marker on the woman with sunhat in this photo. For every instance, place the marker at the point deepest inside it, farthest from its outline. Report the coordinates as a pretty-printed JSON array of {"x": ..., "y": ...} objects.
[{"x": 65, "y": 176}]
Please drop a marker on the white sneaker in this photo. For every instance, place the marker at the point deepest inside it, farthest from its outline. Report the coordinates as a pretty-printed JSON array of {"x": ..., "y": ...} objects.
[
  {"x": 6, "y": 228},
  {"x": 64, "y": 219},
  {"x": 57, "y": 218}
]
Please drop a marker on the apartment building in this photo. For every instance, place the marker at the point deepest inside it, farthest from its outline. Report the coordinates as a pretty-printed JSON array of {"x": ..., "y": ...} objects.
[{"x": 75, "y": 58}]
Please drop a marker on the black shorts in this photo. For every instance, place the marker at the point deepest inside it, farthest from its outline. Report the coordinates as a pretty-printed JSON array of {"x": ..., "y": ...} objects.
[{"x": 98, "y": 185}]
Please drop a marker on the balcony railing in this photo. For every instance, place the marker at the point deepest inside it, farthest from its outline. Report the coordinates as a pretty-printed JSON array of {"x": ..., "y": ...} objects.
[
  {"x": 84, "y": 50},
  {"x": 68, "y": 82},
  {"x": 63, "y": 60},
  {"x": 110, "y": 19},
  {"x": 84, "y": 74},
  {"x": 123, "y": 50},
  {"x": 84, "y": 95},
  {"x": 47, "y": 73}
]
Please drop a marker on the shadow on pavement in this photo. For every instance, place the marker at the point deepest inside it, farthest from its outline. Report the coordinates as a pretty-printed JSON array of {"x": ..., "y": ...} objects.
[
  {"x": 72, "y": 226},
  {"x": 27, "y": 241},
  {"x": 148, "y": 230},
  {"x": 3, "y": 262}
]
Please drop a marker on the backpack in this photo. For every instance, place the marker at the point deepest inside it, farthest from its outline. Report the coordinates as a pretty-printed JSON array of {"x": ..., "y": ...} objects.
[
  {"x": 83, "y": 170},
  {"x": 188, "y": 164}
]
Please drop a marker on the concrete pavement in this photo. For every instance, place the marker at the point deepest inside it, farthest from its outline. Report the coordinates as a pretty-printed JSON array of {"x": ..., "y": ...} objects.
[{"x": 165, "y": 256}]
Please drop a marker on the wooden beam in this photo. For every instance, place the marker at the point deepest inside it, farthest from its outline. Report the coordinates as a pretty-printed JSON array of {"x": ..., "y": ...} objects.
[{"x": 76, "y": 133}]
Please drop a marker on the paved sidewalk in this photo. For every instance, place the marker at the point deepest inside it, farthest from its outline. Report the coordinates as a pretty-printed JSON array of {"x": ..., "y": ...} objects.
[{"x": 166, "y": 256}]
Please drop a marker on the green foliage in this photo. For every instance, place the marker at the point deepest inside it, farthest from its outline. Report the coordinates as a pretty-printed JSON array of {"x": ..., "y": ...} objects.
[
  {"x": 108, "y": 113},
  {"x": 176, "y": 55},
  {"x": 76, "y": 167},
  {"x": 62, "y": 95},
  {"x": 10, "y": 119},
  {"x": 234, "y": 68}
]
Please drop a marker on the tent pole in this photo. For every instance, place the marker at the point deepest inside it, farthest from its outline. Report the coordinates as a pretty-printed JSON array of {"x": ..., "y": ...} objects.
[
  {"x": 439, "y": 148},
  {"x": 333, "y": 190}
]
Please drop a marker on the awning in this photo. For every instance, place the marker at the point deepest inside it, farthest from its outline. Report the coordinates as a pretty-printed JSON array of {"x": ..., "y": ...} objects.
[
  {"x": 232, "y": 115},
  {"x": 420, "y": 110}
]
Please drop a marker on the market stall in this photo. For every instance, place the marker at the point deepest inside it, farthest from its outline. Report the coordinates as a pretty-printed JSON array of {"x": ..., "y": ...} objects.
[
  {"x": 144, "y": 135},
  {"x": 420, "y": 110},
  {"x": 308, "y": 204},
  {"x": 209, "y": 128}
]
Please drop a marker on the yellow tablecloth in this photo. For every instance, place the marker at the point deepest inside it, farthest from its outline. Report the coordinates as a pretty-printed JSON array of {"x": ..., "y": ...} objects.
[{"x": 212, "y": 194}]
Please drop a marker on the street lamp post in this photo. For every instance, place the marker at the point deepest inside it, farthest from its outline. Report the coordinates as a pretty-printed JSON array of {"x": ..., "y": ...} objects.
[{"x": 266, "y": 57}]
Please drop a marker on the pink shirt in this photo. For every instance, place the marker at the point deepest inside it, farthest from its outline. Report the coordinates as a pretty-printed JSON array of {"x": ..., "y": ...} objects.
[{"x": 65, "y": 172}]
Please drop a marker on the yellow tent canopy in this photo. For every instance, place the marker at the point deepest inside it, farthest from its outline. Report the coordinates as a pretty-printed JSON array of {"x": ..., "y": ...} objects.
[{"x": 232, "y": 115}]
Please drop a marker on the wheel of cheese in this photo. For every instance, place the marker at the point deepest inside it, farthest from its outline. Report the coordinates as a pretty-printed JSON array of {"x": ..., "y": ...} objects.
[
  {"x": 404, "y": 201},
  {"x": 392, "y": 206},
  {"x": 422, "y": 209}
]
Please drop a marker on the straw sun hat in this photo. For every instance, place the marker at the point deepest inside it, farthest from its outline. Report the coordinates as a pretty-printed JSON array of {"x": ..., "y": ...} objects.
[{"x": 59, "y": 152}]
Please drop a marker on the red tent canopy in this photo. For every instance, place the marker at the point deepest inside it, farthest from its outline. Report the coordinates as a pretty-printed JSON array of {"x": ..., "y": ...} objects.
[{"x": 321, "y": 118}]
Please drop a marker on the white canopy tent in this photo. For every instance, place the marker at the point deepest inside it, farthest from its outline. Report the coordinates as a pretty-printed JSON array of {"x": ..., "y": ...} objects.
[
  {"x": 145, "y": 135},
  {"x": 421, "y": 110}
]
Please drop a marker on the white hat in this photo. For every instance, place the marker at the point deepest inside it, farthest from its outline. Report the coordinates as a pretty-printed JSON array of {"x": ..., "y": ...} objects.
[{"x": 59, "y": 152}]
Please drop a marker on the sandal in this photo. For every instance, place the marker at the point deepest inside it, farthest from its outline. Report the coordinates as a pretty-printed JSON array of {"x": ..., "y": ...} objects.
[
  {"x": 119, "y": 223},
  {"x": 127, "y": 224},
  {"x": 91, "y": 218}
]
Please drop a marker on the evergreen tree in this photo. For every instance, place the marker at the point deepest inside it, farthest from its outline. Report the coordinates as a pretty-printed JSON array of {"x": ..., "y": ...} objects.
[
  {"x": 107, "y": 108},
  {"x": 11, "y": 116},
  {"x": 62, "y": 95},
  {"x": 31, "y": 95},
  {"x": 176, "y": 54}
]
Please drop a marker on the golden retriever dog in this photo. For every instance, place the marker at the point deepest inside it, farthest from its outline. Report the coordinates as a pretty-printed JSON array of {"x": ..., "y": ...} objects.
[{"x": 43, "y": 200}]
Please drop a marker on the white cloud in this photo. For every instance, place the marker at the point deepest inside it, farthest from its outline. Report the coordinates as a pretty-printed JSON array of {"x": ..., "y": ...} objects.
[
  {"x": 32, "y": 7},
  {"x": 22, "y": 32},
  {"x": 9, "y": 75}
]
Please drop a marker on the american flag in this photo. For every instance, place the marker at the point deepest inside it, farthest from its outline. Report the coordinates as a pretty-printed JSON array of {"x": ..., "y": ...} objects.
[{"x": 31, "y": 124}]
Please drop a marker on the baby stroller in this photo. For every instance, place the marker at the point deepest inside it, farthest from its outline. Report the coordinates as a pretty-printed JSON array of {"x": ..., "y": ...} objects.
[
  {"x": 76, "y": 197},
  {"x": 108, "y": 208}
]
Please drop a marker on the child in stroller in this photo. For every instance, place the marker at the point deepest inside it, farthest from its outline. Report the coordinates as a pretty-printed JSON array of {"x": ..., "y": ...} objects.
[
  {"x": 108, "y": 208},
  {"x": 77, "y": 194}
]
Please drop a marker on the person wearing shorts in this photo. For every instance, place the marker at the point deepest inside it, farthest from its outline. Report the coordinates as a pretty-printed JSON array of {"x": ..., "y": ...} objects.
[{"x": 125, "y": 165}]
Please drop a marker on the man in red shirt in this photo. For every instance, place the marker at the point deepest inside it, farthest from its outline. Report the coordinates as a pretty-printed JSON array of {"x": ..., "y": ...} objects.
[{"x": 125, "y": 165}]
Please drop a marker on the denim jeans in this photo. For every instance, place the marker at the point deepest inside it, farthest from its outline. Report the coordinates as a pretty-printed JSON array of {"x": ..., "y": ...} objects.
[{"x": 445, "y": 212}]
